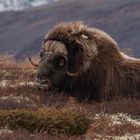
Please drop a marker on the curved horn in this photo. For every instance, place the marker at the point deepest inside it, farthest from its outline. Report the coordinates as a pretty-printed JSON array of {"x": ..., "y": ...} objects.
[
  {"x": 33, "y": 63},
  {"x": 72, "y": 74}
]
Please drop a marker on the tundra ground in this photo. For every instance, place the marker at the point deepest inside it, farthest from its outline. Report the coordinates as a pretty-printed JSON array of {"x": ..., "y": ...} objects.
[{"x": 118, "y": 119}]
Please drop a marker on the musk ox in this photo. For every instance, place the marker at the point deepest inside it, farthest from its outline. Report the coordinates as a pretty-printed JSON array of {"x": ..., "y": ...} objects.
[{"x": 86, "y": 63}]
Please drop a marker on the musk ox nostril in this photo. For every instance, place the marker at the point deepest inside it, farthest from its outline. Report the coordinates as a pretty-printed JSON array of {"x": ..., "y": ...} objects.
[{"x": 42, "y": 81}]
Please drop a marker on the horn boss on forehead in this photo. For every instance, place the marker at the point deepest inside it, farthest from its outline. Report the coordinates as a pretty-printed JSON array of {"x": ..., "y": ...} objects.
[
  {"x": 87, "y": 63},
  {"x": 55, "y": 47}
]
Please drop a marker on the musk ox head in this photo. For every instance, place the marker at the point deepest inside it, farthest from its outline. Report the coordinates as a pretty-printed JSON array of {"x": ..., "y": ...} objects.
[{"x": 68, "y": 53}]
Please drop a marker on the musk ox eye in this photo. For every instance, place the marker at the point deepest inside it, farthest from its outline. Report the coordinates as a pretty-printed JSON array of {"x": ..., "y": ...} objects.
[
  {"x": 59, "y": 61},
  {"x": 62, "y": 62}
]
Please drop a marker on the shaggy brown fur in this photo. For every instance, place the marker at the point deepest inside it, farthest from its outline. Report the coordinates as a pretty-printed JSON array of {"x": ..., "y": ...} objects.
[{"x": 104, "y": 72}]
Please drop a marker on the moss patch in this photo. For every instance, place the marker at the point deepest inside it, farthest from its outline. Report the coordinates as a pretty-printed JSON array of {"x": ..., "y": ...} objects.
[{"x": 69, "y": 122}]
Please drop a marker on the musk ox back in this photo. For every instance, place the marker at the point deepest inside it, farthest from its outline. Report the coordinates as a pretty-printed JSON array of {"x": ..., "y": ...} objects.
[{"x": 86, "y": 63}]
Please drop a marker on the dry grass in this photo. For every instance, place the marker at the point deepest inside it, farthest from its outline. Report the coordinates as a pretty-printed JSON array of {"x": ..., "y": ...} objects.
[
  {"x": 18, "y": 91},
  {"x": 25, "y": 135},
  {"x": 103, "y": 126}
]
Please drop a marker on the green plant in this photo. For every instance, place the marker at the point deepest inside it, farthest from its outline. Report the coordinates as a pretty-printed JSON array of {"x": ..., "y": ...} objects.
[{"x": 65, "y": 121}]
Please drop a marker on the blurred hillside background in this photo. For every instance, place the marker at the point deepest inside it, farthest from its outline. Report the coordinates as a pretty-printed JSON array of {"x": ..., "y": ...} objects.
[{"x": 23, "y": 23}]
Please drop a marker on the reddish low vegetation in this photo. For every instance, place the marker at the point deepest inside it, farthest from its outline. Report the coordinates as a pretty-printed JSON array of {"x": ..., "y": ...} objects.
[{"x": 21, "y": 104}]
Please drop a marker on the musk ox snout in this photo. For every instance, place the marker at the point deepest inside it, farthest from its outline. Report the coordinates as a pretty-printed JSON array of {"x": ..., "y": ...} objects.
[
  {"x": 43, "y": 75},
  {"x": 42, "y": 78}
]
